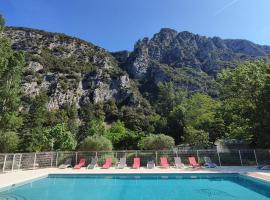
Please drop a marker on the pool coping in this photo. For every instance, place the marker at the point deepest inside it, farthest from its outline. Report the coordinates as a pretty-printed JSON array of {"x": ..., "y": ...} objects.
[
  {"x": 22, "y": 182},
  {"x": 35, "y": 176}
]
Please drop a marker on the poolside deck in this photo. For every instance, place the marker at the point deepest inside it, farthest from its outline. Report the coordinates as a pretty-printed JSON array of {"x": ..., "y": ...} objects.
[{"x": 17, "y": 177}]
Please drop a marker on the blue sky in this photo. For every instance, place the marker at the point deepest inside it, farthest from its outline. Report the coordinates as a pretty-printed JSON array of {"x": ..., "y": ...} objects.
[{"x": 118, "y": 24}]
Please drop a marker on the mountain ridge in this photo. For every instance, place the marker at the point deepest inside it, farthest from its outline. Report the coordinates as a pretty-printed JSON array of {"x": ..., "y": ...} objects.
[{"x": 71, "y": 69}]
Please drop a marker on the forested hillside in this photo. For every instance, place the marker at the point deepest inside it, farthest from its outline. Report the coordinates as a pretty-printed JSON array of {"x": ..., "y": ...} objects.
[{"x": 62, "y": 93}]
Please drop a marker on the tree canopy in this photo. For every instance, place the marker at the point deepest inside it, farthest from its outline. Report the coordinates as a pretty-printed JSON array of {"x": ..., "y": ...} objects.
[{"x": 239, "y": 110}]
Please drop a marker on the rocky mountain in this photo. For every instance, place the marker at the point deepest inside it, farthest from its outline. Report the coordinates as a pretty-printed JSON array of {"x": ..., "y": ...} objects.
[
  {"x": 70, "y": 70},
  {"x": 190, "y": 61},
  {"x": 73, "y": 70}
]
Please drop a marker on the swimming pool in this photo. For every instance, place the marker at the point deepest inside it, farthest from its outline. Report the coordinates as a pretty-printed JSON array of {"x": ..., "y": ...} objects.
[{"x": 141, "y": 187}]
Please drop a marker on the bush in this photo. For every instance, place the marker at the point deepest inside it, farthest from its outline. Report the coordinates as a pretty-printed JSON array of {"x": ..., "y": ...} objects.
[
  {"x": 197, "y": 138},
  {"x": 157, "y": 142},
  {"x": 9, "y": 142},
  {"x": 61, "y": 137},
  {"x": 96, "y": 143},
  {"x": 123, "y": 138}
]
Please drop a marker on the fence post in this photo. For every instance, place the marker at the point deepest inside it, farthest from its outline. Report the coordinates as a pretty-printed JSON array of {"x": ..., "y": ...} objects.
[
  {"x": 13, "y": 160},
  {"x": 4, "y": 165},
  {"x": 96, "y": 154},
  {"x": 34, "y": 164},
  {"x": 156, "y": 158},
  {"x": 219, "y": 159},
  {"x": 240, "y": 157},
  {"x": 198, "y": 156},
  {"x": 255, "y": 157},
  {"x": 136, "y": 154},
  {"x": 52, "y": 158},
  {"x": 56, "y": 159},
  {"x": 20, "y": 162},
  {"x": 76, "y": 157}
]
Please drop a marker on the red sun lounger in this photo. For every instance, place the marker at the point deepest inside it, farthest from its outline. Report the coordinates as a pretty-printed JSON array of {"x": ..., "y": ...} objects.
[
  {"x": 107, "y": 164},
  {"x": 193, "y": 162},
  {"x": 81, "y": 164},
  {"x": 164, "y": 162},
  {"x": 136, "y": 163}
]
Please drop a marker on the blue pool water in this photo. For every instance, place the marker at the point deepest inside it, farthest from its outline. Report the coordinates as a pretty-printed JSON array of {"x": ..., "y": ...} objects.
[{"x": 141, "y": 187}]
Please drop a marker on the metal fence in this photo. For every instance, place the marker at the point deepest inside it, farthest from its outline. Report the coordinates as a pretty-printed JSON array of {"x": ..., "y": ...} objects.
[{"x": 27, "y": 161}]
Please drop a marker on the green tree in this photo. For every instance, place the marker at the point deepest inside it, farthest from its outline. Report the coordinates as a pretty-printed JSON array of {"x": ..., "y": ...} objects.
[
  {"x": 176, "y": 123},
  {"x": 111, "y": 110},
  {"x": 96, "y": 127},
  {"x": 99, "y": 111},
  {"x": 261, "y": 127},
  {"x": 60, "y": 138},
  {"x": 116, "y": 133},
  {"x": 72, "y": 114},
  {"x": 201, "y": 116},
  {"x": 96, "y": 143},
  {"x": 122, "y": 138},
  {"x": 168, "y": 97},
  {"x": 138, "y": 119},
  {"x": 240, "y": 90},
  {"x": 156, "y": 142},
  {"x": 11, "y": 64},
  {"x": 33, "y": 132},
  {"x": 196, "y": 138},
  {"x": 2, "y": 23},
  {"x": 9, "y": 142},
  {"x": 86, "y": 115}
]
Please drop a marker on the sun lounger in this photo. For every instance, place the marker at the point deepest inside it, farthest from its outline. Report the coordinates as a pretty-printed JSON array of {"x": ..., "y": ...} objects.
[
  {"x": 193, "y": 162},
  {"x": 107, "y": 164},
  {"x": 93, "y": 163},
  {"x": 209, "y": 163},
  {"x": 66, "y": 164},
  {"x": 81, "y": 164},
  {"x": 164, "y": 162},
  {"x": 122, "y": 164},
  {"x": 150, "y": 164},
  {"x": 136, "y": 163},
  {"x": 178, "y": 163},
  {"x": 264, "y": 167}
]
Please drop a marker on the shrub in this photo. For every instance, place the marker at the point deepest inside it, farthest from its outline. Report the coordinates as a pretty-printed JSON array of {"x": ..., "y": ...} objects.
[
  {"x": 197, "y": 138},
  {"x": 9, "y": 142},
  {"x": 96, "y": 143},
  {"x": 61, "y": 137},
  {"x": 156, "y": 142},
  {"x": 123, "y": 138}
]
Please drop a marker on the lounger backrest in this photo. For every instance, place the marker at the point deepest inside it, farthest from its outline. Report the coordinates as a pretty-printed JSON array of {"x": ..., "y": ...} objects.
[
  {"x": 94, "y": 161},
  {"x": 82, "y": 161},
  {"x": 123, "y": 160},
  {"x": 177, "y": 160},
  {"x": 151, "y": 162},
  {"x": 192, "y": 160},
  {"x": 137, "y": 160},
  {"x": 108, "y": 161},
  {"x": 163, "y": 160}
]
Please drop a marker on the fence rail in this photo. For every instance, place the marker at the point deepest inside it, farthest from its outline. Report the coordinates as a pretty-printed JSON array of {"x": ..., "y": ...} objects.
[{"x": 27, "y": 161}]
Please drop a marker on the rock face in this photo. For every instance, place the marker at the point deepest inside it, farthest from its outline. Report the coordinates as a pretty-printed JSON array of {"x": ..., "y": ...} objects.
[
  {"x": 73, "y": 70},
  {"x": 186, "y": 49},
  {"x": 70, "y": 69},
  {"x": 170, "y": 55}
]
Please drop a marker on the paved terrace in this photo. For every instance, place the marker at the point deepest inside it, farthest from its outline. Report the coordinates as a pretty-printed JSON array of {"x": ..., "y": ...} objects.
[{"x": 17, "y": 177}]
